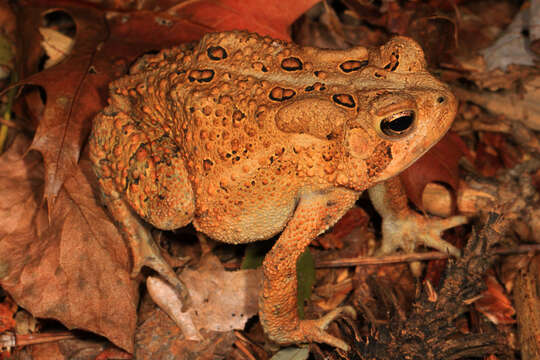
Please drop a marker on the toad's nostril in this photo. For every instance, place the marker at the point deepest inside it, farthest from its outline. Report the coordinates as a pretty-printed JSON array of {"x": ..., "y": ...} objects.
[{"x": 441, "y": 99}]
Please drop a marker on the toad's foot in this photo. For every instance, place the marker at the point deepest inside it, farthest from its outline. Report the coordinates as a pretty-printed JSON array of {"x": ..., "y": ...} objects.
[
  {"x": 147, "y": 253},
  {"x": 313, "y": 330},
  {"x": 403, "y": 228},
  {"x": 408, "y": 231}
]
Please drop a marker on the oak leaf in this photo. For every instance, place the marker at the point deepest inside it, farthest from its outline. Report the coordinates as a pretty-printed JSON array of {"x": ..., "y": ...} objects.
[
  {"x": 73, "y": 267},
  {"x": 439, "y": 164}
]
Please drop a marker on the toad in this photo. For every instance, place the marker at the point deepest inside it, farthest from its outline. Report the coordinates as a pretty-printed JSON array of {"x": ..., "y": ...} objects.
[{"x": 247, "y": 137}]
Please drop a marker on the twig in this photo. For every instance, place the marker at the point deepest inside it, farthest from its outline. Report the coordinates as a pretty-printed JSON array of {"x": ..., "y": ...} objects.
[
  {"x": 242, "y": 347},
  {"x": 527, "y": 303},
  {"x": 403, "y": 258},
  {"x": 9, "y": 340}
]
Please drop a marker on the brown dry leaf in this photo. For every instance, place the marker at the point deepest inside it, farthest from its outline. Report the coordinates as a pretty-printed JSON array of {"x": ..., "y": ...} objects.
[
  {"x": 222, "y": 301},
  {"x": 72, "y": 96},
  {"x": 56, "y": 45},
  {"x": 332, "y": 295},
  {"x": 510, "y": 268},
  {"x": 366, "y": 11},
  {"x": 20, "y": 185},
  {"x": 440, "y": 164},
  {"x": 7, "y": 314},
  {"x": 74, "y": 268},
  {"x": 487, "y": 160},
  {"x": 353, "y": 219},
  {"x": 495, "y": 304},
  {"x": 113, "y": 353},
  {"x": 271, "y": 18},
  {"x": 79, "y": 349},
  {"x": 159, "y": 338},
  {"x": 434, "y": 26},
  {"x": 47, "y": 351},
  {"x": 495, "y": 152}
]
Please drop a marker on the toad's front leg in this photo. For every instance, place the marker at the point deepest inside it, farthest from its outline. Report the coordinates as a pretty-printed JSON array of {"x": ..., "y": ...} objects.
[{"x": 315, "y": 213}]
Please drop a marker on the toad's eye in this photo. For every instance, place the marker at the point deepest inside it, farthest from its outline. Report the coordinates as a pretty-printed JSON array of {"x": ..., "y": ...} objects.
[{"x": 398, "y": 124}]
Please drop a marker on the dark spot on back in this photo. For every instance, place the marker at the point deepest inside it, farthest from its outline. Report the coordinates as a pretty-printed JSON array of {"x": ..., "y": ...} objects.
[
  {"x": 216, "y": 53},
  {"x": 281, "y": 94},
  {"x": 205, "y": 75},
  {"x": 344, "y": 100},
  {"x": 291, "y": 64},
  {"x": 353, "y": 65}
]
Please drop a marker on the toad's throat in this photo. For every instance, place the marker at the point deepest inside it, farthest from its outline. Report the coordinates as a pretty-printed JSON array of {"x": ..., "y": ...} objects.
[{"x": 379, "y": 160}]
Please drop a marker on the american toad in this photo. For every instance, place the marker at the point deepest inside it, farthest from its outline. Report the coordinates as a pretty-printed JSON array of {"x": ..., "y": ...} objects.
[{"x": 246, "y": 137}]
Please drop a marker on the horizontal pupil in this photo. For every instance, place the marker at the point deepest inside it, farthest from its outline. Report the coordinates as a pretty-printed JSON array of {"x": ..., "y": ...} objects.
[
  {"x": 401, "y": 123},
  {"x": 397, "y": 124}
]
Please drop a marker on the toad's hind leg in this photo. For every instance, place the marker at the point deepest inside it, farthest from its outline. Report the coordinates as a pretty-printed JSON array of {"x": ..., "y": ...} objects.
[{"x": 141, "y": 176}]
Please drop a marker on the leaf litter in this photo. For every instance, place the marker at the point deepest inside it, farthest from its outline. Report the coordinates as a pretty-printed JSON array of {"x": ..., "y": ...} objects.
[{"x": 62, "y": 258}]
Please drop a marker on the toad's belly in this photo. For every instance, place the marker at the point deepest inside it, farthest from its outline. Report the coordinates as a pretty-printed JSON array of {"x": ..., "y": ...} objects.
[{"x": 258, "y": 222}]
